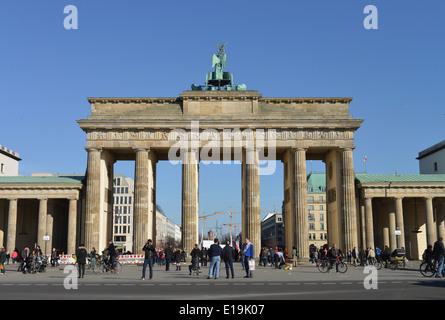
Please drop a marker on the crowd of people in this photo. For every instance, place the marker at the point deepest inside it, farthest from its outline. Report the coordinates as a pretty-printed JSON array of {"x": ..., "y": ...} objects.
[
  {"x": 29, "y": 261},
  {"x": 214, "y": 255},
  {"x": 277, "y": 257}
]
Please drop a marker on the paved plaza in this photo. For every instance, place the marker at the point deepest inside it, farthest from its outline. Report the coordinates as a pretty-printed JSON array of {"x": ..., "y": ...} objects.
[{"x": 303, "y": 282}]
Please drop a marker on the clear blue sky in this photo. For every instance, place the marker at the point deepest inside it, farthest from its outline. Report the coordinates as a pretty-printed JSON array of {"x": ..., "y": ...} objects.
[{"x": 280, "y": 48}]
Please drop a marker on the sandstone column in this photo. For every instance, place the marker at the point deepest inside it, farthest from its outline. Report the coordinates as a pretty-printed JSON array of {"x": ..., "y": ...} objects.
[
  {"x": 190, "y": 199},
  {"x": 50, "y": 226},
  {"x": 348, "y": 200},
  {"x": 430, "y": 225},
  {"x": 301, "y": 210},
  {"x": 92, "y": 214},
  {"x": 392, "y": 230},
  {"x": 441, "y": 219},
  {"x": 141, "y": 200},
  {"x": 251, "y": 215},
  {"x": 72, "y": 226},
  {"x": 12, "y": 225},
  {"x": 289, "y": 207},
  {"x": 363, "y": 226},
  {"x": 398, "y": 205},
  {"x": 369, "y": 223},
  {"x": 41, "y": 227}
]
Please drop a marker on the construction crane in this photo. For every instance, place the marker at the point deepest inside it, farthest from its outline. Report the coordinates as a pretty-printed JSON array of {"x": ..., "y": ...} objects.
[
  {"x": 206, "y": 217},
  {"x": 230, "y": 226}
]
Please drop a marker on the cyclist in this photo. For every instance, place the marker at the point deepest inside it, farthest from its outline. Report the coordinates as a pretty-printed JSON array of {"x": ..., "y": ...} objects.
[
  {"x": 112, "y": 255},
  {"x": 333, "y": 254}
]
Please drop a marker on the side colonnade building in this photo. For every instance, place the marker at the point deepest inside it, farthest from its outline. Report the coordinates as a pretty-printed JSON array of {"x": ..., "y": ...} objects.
[
  {"x": 401, "y": 211},
  {"x": 40, "y": 210}
]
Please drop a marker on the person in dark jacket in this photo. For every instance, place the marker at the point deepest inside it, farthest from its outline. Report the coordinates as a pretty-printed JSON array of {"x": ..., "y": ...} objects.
[
  {"x": 2, "y": 260},
  {"x": 168, "y": 257},
  {"x": 439, "y": 254},
  {"x": 196, "y": 255},
  {"x": 81, "y": 256},
  {"x": 112, "y": 255},
  {"x": 228, "y": 255},
  {"x": 215, "y": 259},
  {"x": 150, "y": 253}
]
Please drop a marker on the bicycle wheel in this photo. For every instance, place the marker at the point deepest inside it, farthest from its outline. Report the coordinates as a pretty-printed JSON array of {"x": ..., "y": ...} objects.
[
  {"x": 342, "y": 267},
  {"x": 378, "y": 265},
  {"x": 323, "y": 267},
  {"x": 427, "y": 270}
]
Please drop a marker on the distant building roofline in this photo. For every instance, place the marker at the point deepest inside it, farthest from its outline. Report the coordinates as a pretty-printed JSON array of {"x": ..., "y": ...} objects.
[
  {"x": 433, "y": 149},
  {"x": 9, "y": 153}
]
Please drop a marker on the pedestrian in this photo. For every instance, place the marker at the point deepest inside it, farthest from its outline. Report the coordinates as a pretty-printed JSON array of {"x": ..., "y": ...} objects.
[
  {"x": 378, "y": 253},
  {"x": 177, "y": 257},
  {"x": 204, "y": 256},
  {"x": 14, "y": 255},
  {"x": 439, "y": 254},
  {"x": 2, "y": 260},
  {"x": 294, "y": 256},
  {"x": 371, "y": 256},
  {"x": 264, "y": 255},
  {"x": 112, "y": 255},
  {"x": 195, "y": 255},
  {"x": 93, "y": 254},
  {"x": 248, "y": 257},
  {"x": 228, "y": 254},
  {"x": 215, "y": 259},
  {"x": 55, "y": 258},
  {"x": 354, "y": 254},
  {"x": 23, "y": 256},
  {"x": 81, "y": 256},
  {"x": 168, "y": 257},
  {"x": 150, "y": 254}
]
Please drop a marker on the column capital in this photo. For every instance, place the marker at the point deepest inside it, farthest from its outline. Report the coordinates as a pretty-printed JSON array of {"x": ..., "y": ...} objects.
[
  {"x": 347, "y": 149},
  {"x": 252, "y": 148},
  {"x": 295, "y": 149},
  {"x": 98, "y": 149},
  {"x": 141, "y": 149}
]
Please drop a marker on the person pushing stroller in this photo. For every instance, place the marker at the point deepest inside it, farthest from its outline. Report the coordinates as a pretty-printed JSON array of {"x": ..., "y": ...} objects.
[{"x": 196, "y": 255}]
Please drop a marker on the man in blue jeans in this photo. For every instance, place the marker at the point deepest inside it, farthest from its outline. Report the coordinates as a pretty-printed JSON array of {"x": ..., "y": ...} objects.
[
  {"x": 248, "y": 255},
  {"x": 150, "y": 253},
  {"x": 215, "y": 259},
  {"x": 439, "y": 253}
]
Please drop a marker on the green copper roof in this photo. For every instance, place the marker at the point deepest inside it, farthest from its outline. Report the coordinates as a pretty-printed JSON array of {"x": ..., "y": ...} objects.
[
  {"x": 41, "y": 180},
  {"x": 316, "y": 182},
  {"x": 382, "y": 178}
]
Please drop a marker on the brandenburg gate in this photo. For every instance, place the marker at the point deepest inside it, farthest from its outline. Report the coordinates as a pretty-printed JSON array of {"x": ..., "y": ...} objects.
[{"x": 221, "y": 122}]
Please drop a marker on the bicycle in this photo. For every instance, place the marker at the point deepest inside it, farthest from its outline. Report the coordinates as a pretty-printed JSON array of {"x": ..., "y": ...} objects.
[
  {"x": 428, "y": 269},
  {"x": 326, "y": 265},
  {"x": 377, "y": 264},
  {"x": 94, "y": 266},
  {"x": 104, "y": 266}
]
